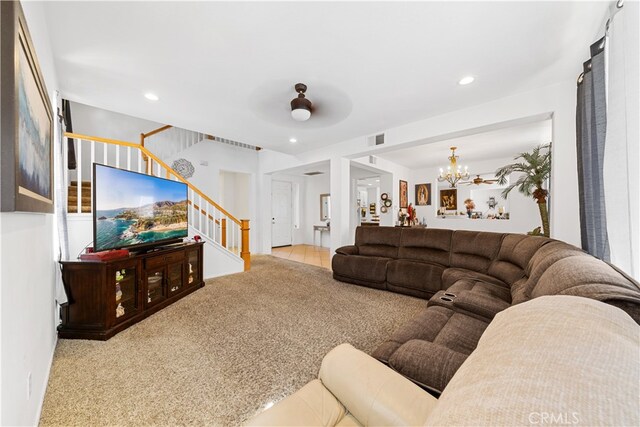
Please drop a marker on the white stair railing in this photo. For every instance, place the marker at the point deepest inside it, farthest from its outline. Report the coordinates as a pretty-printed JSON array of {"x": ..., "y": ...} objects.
[
  {"x": 206, "y": 217},
  {"x": 168, "y": 141}
]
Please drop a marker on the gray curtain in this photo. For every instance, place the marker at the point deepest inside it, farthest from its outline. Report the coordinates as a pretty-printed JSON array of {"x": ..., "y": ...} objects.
[{"x": 591, "y": 129}]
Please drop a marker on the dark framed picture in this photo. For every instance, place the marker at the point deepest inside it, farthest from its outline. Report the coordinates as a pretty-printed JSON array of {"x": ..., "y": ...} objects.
[
  {"x": 404, "y": 194},
  {"x": 423, "y": 194},
  {"x": 449, "y": 199},
  {"x": 26, "y": 126}
]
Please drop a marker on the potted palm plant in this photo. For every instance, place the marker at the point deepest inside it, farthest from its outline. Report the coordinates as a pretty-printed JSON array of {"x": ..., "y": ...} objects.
[{"x": 535, "y": 168}]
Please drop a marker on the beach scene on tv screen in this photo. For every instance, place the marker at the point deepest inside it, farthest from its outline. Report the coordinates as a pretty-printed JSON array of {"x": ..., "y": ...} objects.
[{"x": 133, "y": 208}]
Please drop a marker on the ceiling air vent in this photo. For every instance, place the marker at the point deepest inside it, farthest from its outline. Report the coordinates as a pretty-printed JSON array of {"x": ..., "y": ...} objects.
[
  {"x": 313, "y": 173},
  {"x": 375, "y": 139}
]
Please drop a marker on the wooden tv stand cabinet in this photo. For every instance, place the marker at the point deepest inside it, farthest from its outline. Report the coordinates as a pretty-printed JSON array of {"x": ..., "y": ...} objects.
[{"x": 108, "y": 297}]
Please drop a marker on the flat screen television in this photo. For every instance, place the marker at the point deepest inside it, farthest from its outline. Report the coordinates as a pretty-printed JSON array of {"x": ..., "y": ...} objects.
[{"x": 132, "y": 209}]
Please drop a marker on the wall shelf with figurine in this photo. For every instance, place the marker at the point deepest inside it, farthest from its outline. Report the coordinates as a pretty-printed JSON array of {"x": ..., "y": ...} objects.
[{"x": 106, "y": 297}]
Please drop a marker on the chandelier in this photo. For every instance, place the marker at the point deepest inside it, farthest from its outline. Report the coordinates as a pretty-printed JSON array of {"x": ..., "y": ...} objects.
[{"x": 454, "y": 172}]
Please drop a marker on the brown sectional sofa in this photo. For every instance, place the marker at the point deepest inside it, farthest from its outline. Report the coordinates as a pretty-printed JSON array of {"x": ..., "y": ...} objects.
[{"x": 468, "y": 277}]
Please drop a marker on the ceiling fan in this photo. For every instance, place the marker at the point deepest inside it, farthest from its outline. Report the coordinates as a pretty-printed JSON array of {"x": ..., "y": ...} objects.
[{"x": 477, "y": 181}]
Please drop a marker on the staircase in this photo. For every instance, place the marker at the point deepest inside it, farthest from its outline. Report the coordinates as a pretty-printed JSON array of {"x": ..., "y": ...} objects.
[
  {"x": 213, "y": 223},
  {"x": 72, "y": 198}
]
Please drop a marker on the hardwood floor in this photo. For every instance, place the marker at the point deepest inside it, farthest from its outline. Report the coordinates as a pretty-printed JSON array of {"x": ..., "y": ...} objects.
[{"x": 307, "y": 254}]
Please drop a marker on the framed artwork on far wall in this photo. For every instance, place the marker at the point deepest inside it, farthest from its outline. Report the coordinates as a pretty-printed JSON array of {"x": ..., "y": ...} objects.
[
  {"x": 404, "y": 194},
  {"x": 423, "y": 194},
  {"x": 26, "y": 124},
  {"x": 449, "y": 199}
]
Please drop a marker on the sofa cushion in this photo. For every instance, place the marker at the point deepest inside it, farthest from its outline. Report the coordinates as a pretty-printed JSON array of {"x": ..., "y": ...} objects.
[
  {"x": 439, "y": 325},
  {"x": 419, "y": 279},
  {"x": 569, "y": 358},
  {"x": 453, "y": 275},
  {"x": 426, "y": 244},
  {"x": 514, "y": 256},
  {"x": 378, "y": 241},
  {"x": 428, "y": 364},
  {"x": 480, "y": 287},
  {"x": 474, "y": 250}
]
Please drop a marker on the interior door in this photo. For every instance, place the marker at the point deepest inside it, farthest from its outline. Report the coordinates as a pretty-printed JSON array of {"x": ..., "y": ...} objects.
[{"x": 281, "y": 214}]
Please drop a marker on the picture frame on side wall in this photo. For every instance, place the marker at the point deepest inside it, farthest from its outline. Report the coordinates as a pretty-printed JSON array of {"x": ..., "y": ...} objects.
[
  {"x": 423, "y": 195},
  {"x": 26, "y": 123},
  {"x": 404, "y": 194}
]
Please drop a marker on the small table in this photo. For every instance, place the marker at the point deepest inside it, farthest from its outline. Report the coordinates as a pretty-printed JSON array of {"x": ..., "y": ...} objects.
[{"x": 319, "y": 228}]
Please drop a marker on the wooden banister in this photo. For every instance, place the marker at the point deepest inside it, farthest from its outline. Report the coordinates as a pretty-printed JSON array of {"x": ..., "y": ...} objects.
[
  {"x": 245, "y": 254},
  {"x": 153, "y": 132}
]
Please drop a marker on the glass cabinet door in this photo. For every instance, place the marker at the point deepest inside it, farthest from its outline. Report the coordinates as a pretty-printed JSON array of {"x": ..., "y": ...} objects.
[
  {"x": 155, "y": 286},
  {"x": 125, "y": 283},
  {"x": 193, "y": 268},
  {"x": 175, "y": 277}
]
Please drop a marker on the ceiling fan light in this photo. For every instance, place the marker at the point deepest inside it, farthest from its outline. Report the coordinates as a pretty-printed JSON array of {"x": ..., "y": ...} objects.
[
  {"x": 300, "y": 114},
  {"x": 300, "y": 108}
]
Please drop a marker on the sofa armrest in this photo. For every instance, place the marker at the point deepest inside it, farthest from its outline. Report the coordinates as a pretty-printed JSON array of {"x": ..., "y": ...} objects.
[
  {"x": 372, "y": 392},
  {"x": 347, "y": 250},
  {"x": 483, "y": 305},
  {"x": 312, "y": 405}
]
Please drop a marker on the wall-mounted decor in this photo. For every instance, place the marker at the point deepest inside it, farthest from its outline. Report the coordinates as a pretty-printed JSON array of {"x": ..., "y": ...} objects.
[
  {"x": 449, "y": 199},
  {"x": 184, "y": 168},
  {"x": 384, "y": 196},
  {"x": 388, "y": 203},
  {"x": 423, "y": 194},
  {"x": 325, "y": 207},
  {"x": 404, "y": 194},
  {"x": 26, "y": 126}
]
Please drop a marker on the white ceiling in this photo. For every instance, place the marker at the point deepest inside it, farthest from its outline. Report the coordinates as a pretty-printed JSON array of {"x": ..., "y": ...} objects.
[
  {"x": 498, "y": 144},
  {"x": 228, "y": 69}
]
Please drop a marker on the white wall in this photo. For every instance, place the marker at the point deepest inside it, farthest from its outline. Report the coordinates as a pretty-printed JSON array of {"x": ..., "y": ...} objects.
[
  {"x": 27, "y": 281},
  {"x": 233, "y": 193},
  {"x": 222, "y": 157},
  {"x": 93, "y": 121}
]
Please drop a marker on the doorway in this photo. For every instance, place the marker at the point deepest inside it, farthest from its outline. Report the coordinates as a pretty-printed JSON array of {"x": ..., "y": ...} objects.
[{"x": 281, "y": 214}]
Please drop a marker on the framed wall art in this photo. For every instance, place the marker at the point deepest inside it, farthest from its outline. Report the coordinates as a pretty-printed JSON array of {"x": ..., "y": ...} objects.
[
  {"x": 404, "y": 194},
  {"x": 26, "y": 124},
  {"x": 423, "y": 194},
  {"x": 449, "y": 199}
]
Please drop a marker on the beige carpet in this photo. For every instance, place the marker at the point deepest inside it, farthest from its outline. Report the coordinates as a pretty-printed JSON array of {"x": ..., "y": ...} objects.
[{"x": 218, "y": 356}]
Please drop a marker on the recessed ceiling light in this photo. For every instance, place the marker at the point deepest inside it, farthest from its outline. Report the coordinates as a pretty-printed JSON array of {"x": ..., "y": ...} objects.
[
  {"x": 370, "y": 184},
  {"x": 466, "y": 80},
  {"x": 151, "y": 96},
  {"x": 293, "y": 140}
]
